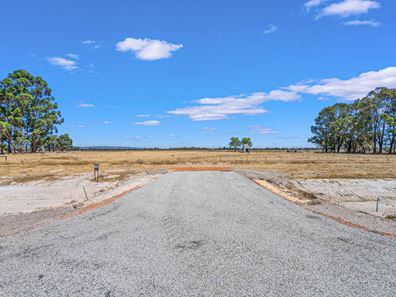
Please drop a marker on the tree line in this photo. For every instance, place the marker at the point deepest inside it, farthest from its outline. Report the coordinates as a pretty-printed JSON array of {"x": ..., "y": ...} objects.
[
  {"x": 29, "y": 115},
  {"x": 366, "y": 125}
]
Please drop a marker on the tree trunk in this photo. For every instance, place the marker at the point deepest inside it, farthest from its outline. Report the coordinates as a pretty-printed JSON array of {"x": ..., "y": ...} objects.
[
  {"x": 32, "y": 144},
  {"x": 375, "y": 143},
  {"x": 375, "y": 138},
  {"x": 9, "y": 146},
  {"x": 392, "y": 143},
  {"x": 381, "y": 138},
  {"x": 339, "y": 145}
]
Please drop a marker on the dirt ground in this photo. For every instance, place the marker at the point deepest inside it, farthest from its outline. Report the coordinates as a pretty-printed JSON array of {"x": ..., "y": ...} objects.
[
  {"x": 356, "y": 194},
  {"x": 28, "y": 205},
  {"x": 347, "y": 201},
  {"x": 75, "y": 191},
  {"x": 300, "y": 165}
]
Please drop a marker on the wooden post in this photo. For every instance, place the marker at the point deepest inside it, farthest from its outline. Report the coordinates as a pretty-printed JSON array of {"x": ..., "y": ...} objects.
[
  {"x": 85, "y": 192},
  {"x": 96, "y": 171}
]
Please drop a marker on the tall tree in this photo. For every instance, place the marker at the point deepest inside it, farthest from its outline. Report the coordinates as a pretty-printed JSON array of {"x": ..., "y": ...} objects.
[
  {"x": 368, "y": 124},
  {"x": 6, "y": 127},
  {"x": 322, "y": 129},
  {"x": 388, "y": 98},
  {"x": 246, "y": 141},
  {"x": 235, "y": 143},
  {"x": 28, "y": 112}
]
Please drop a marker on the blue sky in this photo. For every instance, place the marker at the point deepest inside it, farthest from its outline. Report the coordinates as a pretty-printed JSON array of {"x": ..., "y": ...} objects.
[{"x": 195, "y": 73}]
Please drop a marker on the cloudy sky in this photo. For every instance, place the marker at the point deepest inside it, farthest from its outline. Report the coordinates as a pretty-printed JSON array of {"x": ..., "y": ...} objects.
[{"x": 195, "y": 73}]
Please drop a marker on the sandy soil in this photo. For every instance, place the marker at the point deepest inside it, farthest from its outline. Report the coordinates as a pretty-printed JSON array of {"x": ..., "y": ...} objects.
[
  {"x": 348, "y": 201},
  {"x": 69, "y": 191},
  {"x": 356, "y": 194}
]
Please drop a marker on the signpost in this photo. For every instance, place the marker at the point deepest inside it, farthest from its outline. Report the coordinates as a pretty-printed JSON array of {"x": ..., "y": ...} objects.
[{"x": 96, "y": 171}]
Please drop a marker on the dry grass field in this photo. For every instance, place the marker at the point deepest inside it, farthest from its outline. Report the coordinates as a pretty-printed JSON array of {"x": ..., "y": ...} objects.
[{"x": 26, "y": 167}]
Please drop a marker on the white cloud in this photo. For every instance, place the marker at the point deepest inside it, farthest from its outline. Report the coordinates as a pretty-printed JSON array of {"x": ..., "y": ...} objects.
[
  {"x": 148, "y": 49},
  {"x": 321, "y": 98},
  {"x": 262, "y": 130},
  {"x": 85, "y": 105},
  {"x": 107, "y": 123},
  {"x": 80, "y": 126},
  {"x": 148, "y": 123},
  {"x": 209, "y": 129},
  {"x": 282, "y": 95},
  {"x": 73, "y": 56},
  {"x": 363, "y": 23},
  {"x": 313, "y": 3},
  {"x": 90, "y": 67},
  {"x": 270, "y": 29},
  {"x": 349, "y": 89},
  {"x": 220, "y": 108},
  {"x": 92, "y": 43},
  {"x": 88, "y": 42},
  {"x": 163, "y": 116},
  {"x": 347, "y": 8},
  {"x": 63, "y": 63},
  {"x": 143, "y": 115}
]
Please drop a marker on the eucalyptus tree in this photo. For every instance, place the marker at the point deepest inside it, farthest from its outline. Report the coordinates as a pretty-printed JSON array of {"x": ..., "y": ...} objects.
[
  {"x": 322, "y": 129},
  {"x": 6, "y": 127},
  {"x": 64, "y": 142},
  {"x": 28, "y": 111},
  {"x": 368, "y": 124},
  {"x": 246, "y": 141},
  {"x": 50, "y": 143},
  {"x": 17, "y": 91},
  {"x": 235, "y": 143},
  {"x": 388, "y": 98}
]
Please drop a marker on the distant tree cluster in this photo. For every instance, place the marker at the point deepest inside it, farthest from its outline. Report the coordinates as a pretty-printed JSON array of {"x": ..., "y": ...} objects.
[
  {"x": 58, "y": 143},
  {"x": 366, "y": 125},
  {"x": 236, "y": 143},
  {"x": 29, "y": 115}
]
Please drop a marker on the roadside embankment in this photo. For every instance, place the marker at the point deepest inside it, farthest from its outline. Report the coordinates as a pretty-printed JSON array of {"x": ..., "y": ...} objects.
[
  {"x": 26, "y": 205},
  {"x": 349, "y": 201}
]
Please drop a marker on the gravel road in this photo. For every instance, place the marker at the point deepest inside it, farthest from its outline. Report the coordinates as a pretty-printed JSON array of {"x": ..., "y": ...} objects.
[{"x": 198, "y": 234}]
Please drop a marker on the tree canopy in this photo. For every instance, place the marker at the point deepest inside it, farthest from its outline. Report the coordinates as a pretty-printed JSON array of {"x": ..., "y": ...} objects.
[
  {"x": 246, "y": 141},
  {"x": 366, "y": 125},
  {"x": 29, "y": 114},
  {"x": 236, "y": 143}
]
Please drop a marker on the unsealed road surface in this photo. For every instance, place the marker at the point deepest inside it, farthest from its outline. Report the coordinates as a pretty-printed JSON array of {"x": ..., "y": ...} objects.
[{"x": 198, "y": 234}]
